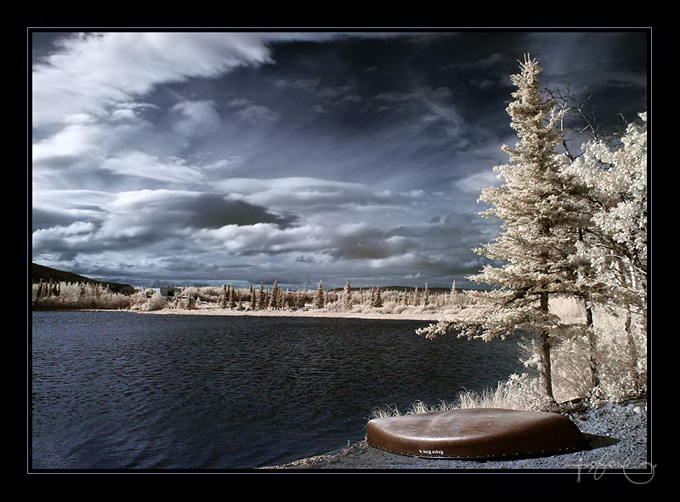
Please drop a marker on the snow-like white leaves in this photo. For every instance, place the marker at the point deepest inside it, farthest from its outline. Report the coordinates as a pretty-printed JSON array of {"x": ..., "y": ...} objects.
[
  {"x": 553, "y": 239},
  {"x": 616, "y": 182}
]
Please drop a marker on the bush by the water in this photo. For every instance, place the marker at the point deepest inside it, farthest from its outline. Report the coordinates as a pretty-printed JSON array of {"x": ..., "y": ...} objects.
[{"x": 70, "y": 295}]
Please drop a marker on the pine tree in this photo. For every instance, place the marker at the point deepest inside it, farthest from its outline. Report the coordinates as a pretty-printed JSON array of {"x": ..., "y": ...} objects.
[
  {"x": 347, "y": 297},
  {"x": 276, "y": 299},
  {"x": 261, "y": 298},
  {"x": 452, "y": 296},
  {"x": 231, "y": 297},
  {"x": 319, "y": 297},
  {"x": 538, "y": 233},
  {"x": 222, "y": 297},
  {"x": 376, "y": 298}
]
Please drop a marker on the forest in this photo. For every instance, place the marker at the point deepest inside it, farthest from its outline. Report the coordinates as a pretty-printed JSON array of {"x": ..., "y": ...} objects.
[{"x": 53, "y": 295}]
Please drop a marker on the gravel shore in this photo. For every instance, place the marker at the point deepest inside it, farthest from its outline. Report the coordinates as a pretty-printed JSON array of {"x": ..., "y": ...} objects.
[{"x": 616, "y": 433}]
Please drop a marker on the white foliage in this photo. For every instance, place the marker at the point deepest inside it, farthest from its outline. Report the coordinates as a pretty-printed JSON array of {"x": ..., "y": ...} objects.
[
  {"x": 538, "y": 215},
  {"x": 616, "y": 180},
  {"x": 67, "y": 295},
  {"x": 569, "y": 229}
]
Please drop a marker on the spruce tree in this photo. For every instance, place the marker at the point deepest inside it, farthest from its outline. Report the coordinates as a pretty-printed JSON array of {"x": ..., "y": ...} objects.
[
  {"x": 376, "y": 298},
  {"x": 538, "y": 233},
  {"x": 222, "y": 297},
  {"x": 319, "y": 297},
  {"x": 276, "y": 299},
  {"x": 347, "y": 297},
  {"x": 261, "y": 298},
  {"x": 232, "y": 297}
]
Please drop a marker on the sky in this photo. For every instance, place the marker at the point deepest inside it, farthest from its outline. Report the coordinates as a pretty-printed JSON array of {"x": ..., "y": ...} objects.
[{"x": 239, "y": 157}]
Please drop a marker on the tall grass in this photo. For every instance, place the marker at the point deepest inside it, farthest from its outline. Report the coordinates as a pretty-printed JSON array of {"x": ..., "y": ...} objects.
[{"x": 518, "y": 392}]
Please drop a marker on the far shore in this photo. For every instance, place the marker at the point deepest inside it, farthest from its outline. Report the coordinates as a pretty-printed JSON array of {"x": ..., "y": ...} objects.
[{"x": 216, "y": 311}]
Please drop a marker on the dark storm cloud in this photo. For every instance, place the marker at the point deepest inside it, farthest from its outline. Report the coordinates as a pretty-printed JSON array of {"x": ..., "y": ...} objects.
[
  {"x": 147, "y": 217},
  {"x": 368, "y": 243},
  {"x": 206, "y": 210}
]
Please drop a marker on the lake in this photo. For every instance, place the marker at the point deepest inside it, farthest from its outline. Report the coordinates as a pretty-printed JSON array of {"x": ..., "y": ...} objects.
[{"x": 129, "y": 391}]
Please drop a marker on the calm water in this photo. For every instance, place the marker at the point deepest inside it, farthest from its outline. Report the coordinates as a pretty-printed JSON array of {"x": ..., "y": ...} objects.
[{"x": 119, "y": 390}]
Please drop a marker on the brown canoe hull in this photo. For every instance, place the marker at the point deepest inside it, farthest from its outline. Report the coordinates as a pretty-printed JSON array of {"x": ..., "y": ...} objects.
[{"x": 476, "y": 433}]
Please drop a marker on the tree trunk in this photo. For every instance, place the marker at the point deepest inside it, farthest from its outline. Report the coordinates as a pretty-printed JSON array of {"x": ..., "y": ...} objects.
[
  {"x": 546, "y": 371},
  {"x": 592, "y": 345},
  {"x": 632, "y": 350},
  {"x": 590, "y": 333}
]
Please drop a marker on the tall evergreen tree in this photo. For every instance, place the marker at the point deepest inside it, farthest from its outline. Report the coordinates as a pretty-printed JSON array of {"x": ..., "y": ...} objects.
[
  {"x": 222, "y": 297},
  {"x": 261, "y": 298},
  {"x": 319, "y": 297},
  {"x": 232, "y": 297},
  {"x": 277, "y": 296},
  {"x": 347, "y": 297},
  {"x": 538, "y": 233}
]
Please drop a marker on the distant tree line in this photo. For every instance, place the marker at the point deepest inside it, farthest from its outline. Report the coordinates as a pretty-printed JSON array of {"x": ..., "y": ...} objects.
[
  {"x": 348, "y": 299},
  {"x": 68, "y": 295},
  {"x": 76, "y": 295}
]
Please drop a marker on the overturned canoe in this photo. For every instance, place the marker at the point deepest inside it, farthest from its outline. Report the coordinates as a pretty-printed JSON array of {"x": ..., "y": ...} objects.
[{"x": 476, "y": 433}]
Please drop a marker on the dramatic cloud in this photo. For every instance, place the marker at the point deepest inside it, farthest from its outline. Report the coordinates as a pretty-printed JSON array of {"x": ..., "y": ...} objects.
[
  {"x": 93, "y": 70},
  {"x": 245, "y": 157}
]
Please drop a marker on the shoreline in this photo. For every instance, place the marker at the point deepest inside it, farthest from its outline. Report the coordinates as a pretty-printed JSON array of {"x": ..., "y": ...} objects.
[
  {"x": 617, "y": 436},
  {"x": 216, "y": 311}
]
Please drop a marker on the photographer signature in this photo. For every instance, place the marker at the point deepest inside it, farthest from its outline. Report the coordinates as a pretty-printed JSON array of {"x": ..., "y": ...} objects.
[{"x": 640, "y": 478}]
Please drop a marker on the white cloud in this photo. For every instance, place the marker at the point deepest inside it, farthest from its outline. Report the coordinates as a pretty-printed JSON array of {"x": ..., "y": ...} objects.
[
  {"x": 265, "y": 238},
  {"x": 197, "y": 118},
  {"x": 63, "y": 237},
  {"x": 68, "y": 205},
  {"x": 476, "y": 181},
  {"x": 75, "y": 152},
  {"x": 123, "y": 114},
  {"x": 95, "y": 70},
  {"x": 310, "y": 195},
  {"x": 140, "y": 164},
  {"x": 253, "y": 114},
  {"x": 78, "y": 139}
]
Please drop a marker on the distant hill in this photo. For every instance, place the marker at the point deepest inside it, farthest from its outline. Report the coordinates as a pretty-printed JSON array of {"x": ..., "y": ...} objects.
[{"x": 41, "y": 272}]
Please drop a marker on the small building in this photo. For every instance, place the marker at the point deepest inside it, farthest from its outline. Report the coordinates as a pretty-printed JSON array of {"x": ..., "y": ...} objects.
[{"x": 165, "y": 291}]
